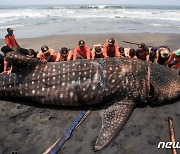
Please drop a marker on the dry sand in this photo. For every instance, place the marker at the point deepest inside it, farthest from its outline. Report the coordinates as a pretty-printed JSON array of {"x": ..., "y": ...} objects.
[{"x": 27, "y": 127}]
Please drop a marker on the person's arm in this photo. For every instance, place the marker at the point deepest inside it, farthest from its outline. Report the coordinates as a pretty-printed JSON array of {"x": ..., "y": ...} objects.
[
  {"x": 16, "y": 42},
  {"x": 8, "y": 42},
  {"x": 5, "y": 67},
  {"x": 148, "y": 54},
  {"x": 156, "y": 57},
  {"x": 75, "y": 54},
  {"x": 70, "y": 55},
  {"x": 58, "y": 57},
  {"x": 105, "y": 51},
  {"x": 88, "y": 53},
  {"x": 170, "y": 59},
  {"x": 117, "y": 53},
  {"x": 93, "y": 53},
  {"x": 176, "y": 66}
]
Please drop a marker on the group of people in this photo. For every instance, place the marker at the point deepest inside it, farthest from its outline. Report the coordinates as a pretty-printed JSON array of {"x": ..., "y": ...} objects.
[{"x": 158, "y": 55}]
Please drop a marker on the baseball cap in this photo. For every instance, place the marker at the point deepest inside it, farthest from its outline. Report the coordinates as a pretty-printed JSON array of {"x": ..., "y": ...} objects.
[
  {"x": 142, "y": 45},
  {"x": 164, "y": 53},
  {"x": 64, "y": 51},
  {"x": 10, "y": 29},
  {"x": 44, "y": 48},
  {"x": 111, "y": 41},
  {"x": 81, "y": 43},
  {"x": 177, "y": 52}
]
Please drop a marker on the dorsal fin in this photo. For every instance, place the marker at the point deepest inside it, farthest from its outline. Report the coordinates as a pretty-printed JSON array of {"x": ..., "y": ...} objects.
[{"x": 113, "y": 119}]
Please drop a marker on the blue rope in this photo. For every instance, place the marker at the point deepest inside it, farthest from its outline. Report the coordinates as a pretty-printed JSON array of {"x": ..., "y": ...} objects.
[{"x": 67, "y": 134}]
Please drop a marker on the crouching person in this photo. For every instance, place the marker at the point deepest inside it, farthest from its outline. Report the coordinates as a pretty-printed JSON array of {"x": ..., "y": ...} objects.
[
  {"x": 64, "y": 54},
  {"x": 46, "y": 54},
  {"x": 97, "y": 52}
]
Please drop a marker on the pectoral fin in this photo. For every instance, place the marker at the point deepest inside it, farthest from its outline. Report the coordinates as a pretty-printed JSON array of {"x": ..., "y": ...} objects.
[{"x": 113, "y": 119}]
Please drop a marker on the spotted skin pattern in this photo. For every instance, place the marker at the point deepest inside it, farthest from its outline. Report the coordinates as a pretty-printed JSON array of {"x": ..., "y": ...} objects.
[{"x": 119, "y": 85}]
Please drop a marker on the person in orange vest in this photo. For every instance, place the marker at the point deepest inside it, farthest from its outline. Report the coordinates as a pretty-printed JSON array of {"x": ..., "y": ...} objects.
[
  {"x": 12, "y": 45},
  {"x": 46, "y": 54},
  {"x": 110, "y": 48},
  {"x": 97, "y": 51},
  {"x": 64, "y": 54},
  {"x": 82, "y": 51},
  {"x": 10, "y": 39}
]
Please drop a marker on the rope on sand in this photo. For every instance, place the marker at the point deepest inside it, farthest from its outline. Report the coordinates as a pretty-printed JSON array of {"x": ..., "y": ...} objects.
[{"x": 60, "y": 142}]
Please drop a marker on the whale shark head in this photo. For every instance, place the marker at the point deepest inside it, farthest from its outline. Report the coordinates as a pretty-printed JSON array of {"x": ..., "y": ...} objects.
[{"x": 164, "y": 85}]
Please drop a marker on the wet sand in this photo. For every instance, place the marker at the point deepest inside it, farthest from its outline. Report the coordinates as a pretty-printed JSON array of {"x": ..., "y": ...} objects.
[{"x": 27, "y": 127}]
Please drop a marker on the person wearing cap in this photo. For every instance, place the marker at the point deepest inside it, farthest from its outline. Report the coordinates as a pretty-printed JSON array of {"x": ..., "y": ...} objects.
[
  {"x": 159, "y": 55},
  {"x": 174, "y": 59},
  {"x": 10, "y": 39},
  {"x": 142, "y": 52},
  {"x": 110, "y": 48},
  {"x": 64, "y": 54},
  {"x": 82, "y": 51},
  {"x": 97, "y": 51},
  {"x": 127, "y": 52},
  {"x": 46, "y": 54}
]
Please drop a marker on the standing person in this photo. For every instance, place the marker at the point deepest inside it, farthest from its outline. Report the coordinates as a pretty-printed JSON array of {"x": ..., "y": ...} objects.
[
  {"x": 142, "y": 52},
  {"x": 110, "y": 48},
  {"x": 97, "y": 52},
  {"x": 81, "y": 51},
  {"x": 159, "y": 55},
  {"x": 46, "y": 54},
  {"x": 174, "y": 59},
  {"x": 64, "y": 54}
]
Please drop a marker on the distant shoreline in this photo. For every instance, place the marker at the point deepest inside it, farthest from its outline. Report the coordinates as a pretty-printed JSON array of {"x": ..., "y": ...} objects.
[{"x": 71, "y": 40}]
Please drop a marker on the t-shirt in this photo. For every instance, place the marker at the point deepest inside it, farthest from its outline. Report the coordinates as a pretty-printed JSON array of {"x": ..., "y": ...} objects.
[
  {"x": 111, "y": 51},
  {"x": 11, "y": 41},
  {"x": 43, "y": 56},
  {"x": 85, "y": 53}
]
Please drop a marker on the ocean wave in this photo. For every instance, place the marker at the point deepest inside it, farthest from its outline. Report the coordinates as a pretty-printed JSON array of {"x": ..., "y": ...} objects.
[{"x": 88, "y": 7}]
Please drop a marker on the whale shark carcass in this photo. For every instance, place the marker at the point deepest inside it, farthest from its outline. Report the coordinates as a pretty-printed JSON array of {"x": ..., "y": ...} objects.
[{"x": 117, "y": 85}]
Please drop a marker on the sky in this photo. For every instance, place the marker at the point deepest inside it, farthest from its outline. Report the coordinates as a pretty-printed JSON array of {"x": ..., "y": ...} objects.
[{"x": 63, "y": 2}]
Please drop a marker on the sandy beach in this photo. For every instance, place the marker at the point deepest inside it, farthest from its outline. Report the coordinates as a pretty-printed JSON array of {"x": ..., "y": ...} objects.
[{"x": 27, "y": 127}]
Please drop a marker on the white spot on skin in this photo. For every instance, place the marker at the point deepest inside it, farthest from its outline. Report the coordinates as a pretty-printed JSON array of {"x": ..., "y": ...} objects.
[
  {"x": 33, "y": 91},
  {"x": 43, "y": 89},
  {"x": 61, "y": 95},
  {"x": 94, "y": 87},
  {"x": 54, "y": 78},
  {"x": 63, "y": 83},
  {"x": 71, "y": 94}
]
